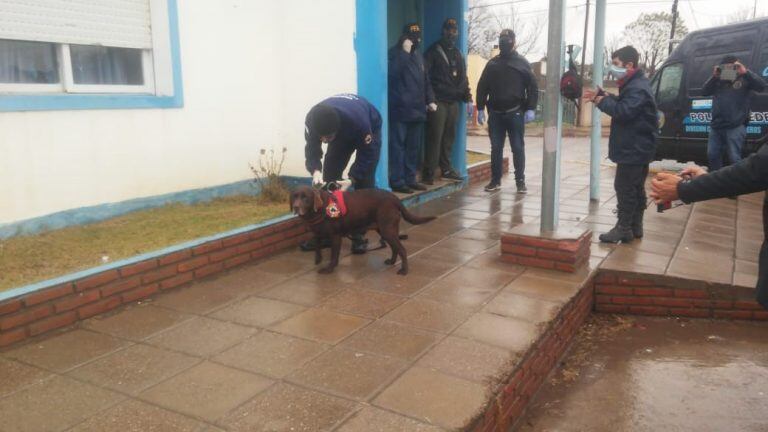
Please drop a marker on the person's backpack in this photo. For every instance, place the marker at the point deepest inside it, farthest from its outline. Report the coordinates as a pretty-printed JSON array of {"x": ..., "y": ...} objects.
[{"x": 571, "y": 84}]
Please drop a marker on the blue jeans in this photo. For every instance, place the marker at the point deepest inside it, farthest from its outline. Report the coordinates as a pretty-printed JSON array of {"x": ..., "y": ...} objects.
[
  {"x": 725, "y": 141},
  {"x": 501, "y": 125},
  {"x": 404, "y": 146}
]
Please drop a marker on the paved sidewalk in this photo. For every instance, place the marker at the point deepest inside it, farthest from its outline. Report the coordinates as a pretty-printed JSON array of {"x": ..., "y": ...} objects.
[{"x": 275, "y": 346}]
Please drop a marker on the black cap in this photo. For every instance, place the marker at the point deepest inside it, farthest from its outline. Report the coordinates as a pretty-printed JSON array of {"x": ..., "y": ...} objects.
[
  {"x": 729, "y": 59},
  {"x": 450, "y": 24},
  {"x": 323, "y": 120},
  {"x": 412, "y": 30},
  {"x": 506, "y": 36}
]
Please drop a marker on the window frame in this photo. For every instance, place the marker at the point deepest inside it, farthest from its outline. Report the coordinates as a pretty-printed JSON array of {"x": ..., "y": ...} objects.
[
  {"x": 660, "y": 75},
  {"x": 163, "y": 87}
]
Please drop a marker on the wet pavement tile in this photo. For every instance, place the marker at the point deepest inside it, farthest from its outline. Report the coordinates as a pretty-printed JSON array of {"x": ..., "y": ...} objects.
[
  {"x": 285, "y": 407},
  {"x": 466, "y": 245},
  {"x": 632, "y": 260},
  {"x": 466, "y": 358},
  {"x": 271, "y": 354},
  {"x": 364, "y": 303},
  {"x": 428, "y": 315},
  {"x": 522, "y": 307},
  {"x": 448, "y": 256},
  {"x": 544, "y": 288},
  {"x": 471, "y": 276},
  {"x": 257, "y": 311},
  {"x": 305, "y": 292},
  {"x": 391, "y": 339},
  {"x": 133, "y": 369},
  {"x": 392, "y": 283},
  {"x": 508, "y": 333},
  {"x": 712, "y": 272},
  {"x": 424, "y": 266},
  {"x": 53, "y": 405},
  {"x": 460, "y": 294},
  {"x": 374, "y": 419},
  {"x": 321, "y": 325},
  {"x": 137, "y": 322},
  {"x": 137, "y": 416},
  {"x": 433, "y": 397},
  {"x": 67, "y": 350},
  {"x": 15, "y": 375},
  {"x": 491, "y": 260},
  {"x": 207, "y": 391},
  {"x": 202, "y": 337},
  {"x": 286, "y": 265},
  {"x": 348, "y": 373}
]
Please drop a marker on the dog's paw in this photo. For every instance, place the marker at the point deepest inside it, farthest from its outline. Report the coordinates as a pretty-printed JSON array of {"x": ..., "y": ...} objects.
[
  {"x": 389, "y": 261},
  {"x": 326, "y": 270},
  {"x": 402, "y": 272}
]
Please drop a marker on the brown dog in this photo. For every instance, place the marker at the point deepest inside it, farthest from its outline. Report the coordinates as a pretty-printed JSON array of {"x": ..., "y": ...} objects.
[{"x": 365, "y": 208}]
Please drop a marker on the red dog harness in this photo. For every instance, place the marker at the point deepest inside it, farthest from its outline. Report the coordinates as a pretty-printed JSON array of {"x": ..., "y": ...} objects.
[{"x": 336, "y": 207}]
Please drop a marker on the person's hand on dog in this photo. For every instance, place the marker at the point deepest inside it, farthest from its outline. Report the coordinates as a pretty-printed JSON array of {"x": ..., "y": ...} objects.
[
  {"x": 317, "y": 178},
  {"x": 664, "y": 187}
]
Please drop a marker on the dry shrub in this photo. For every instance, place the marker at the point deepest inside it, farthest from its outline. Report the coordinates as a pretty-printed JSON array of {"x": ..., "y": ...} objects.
[{"x": 267, "y": 176}]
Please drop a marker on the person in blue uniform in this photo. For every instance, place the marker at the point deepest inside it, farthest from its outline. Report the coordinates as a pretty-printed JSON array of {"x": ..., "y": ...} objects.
[
  {"x": 410, "y": 95},
  {"x": 349, "y": 124}
]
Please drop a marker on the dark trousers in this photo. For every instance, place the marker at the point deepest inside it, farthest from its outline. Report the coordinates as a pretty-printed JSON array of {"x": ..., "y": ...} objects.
[
  {"x": 441, "y": 133},
  {"x": 725, "y": 142},
  {"x": 404, "y": 146},
  {"x": 501, "y": 126},
  {"x": 336, "y": 159},
  {"x": 629, "y": 184}
]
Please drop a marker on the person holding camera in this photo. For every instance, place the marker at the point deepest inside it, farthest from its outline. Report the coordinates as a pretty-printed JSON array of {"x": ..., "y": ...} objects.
[
  {"x": 747, "y": 176},
  {"x": 632, "y": 141},
  {"x": 730, "y": 86}
]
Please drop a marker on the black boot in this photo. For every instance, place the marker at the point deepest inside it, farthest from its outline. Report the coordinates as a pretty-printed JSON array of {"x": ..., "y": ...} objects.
[
  {"x": 359, "y": 244},
  {"x": 622, "y": 232},
  {"x": 637, "y": 223}
]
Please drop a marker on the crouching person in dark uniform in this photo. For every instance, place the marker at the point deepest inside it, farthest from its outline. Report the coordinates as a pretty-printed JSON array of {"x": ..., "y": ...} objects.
[
  {"x": 748, "y": 176},
  {"x": 632, "y": 141},
  {"x": 507, "y": 86},
  {"x": 348, "y": 124}
]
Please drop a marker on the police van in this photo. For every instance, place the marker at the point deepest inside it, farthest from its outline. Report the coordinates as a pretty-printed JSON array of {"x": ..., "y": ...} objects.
[{"x": 684, "y": 114}]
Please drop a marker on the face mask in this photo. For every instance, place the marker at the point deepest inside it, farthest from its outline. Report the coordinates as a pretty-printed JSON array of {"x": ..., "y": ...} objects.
[
  {"x": 450, "y": 39},
  {"x": 618, "y": 72}
]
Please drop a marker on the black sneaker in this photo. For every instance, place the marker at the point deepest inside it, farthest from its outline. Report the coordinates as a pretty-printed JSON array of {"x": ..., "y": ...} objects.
[
  {"x": 428, "y": 181},
  {"x": 452, "y": 175},
  {"x": 402, "y": 189},
  {"x": 521, "y": 189},
  {"x": 492, "y": 187},
  {"x": 417, "y": 186}
]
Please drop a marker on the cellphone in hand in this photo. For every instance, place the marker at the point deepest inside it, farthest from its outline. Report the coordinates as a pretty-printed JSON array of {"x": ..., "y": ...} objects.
[{"x": 728, "y": 72}]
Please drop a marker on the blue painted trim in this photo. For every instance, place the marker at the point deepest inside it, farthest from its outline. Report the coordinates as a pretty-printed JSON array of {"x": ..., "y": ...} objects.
[
  {"x": 371, "y": 47},
  {"x": 109, "y": 101},
  {"x": 16, "y": 292},
  {"x": 91, "y": 214}
]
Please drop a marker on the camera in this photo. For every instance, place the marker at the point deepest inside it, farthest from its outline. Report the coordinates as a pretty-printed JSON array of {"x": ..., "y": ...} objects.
[{"x": 728, "y": 72}]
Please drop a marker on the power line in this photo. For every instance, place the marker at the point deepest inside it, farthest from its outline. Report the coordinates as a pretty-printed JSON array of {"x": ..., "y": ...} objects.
[
  {"x": 498, "y": 4},
  {"x": 693, "y": 14}
]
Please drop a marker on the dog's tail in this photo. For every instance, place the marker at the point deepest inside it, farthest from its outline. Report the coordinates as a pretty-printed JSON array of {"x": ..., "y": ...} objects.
[{"x": 412, "y": 218}]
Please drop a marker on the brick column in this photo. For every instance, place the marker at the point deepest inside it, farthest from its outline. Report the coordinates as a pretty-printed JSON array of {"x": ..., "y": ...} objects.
[{"x": 565, "y": 249}]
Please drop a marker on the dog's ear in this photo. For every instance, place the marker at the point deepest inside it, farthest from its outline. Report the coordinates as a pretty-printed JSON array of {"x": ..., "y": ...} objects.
[{"x": 318, "y": 199}]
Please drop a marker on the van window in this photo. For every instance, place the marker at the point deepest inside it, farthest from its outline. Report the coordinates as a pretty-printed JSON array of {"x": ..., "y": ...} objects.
[{"x": 669, "y": 84}]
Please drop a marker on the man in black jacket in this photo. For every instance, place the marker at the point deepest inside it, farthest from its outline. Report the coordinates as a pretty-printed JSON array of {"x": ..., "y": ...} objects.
[
  {"x": 748, "y": 176},
  {"x": 448, "y": 76},
  {"x": 730, "y": 110},
  {"x": 410, "y": 95},
  {"x": 507, "y": 86},
  {"x": 632, "y": 141}
]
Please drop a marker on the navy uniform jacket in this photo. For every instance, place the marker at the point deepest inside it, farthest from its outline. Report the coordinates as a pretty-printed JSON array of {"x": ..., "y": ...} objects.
[
  {"x": 748, "y": 176},
  {"x": 360, "y": 129},
  {"x": 730, "y": 100},
  {"x": 409, "y": 89},
  {"x": 507, "y": 82},
  {"x": 634, "y": 122}
]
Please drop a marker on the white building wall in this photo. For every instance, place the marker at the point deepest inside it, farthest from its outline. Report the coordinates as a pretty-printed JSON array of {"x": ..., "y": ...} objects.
[{"x": 251, "y": 70}]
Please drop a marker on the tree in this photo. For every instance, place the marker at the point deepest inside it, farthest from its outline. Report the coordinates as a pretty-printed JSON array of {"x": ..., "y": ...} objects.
[
  {"x": 649, "y": 34},
  {"x": 485, "y": 23},
  {"x": 743, "y": 14}
]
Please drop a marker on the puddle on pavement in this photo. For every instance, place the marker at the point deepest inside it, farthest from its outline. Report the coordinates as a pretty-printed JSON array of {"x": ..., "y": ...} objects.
[{"x": 658, "y": 374}]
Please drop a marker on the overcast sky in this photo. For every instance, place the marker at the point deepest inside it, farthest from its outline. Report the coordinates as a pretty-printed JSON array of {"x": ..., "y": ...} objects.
[{"x": 697, "y": 14}]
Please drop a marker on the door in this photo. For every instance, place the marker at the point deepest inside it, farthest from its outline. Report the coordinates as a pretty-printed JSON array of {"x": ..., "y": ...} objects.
[{"x": 667, "y": 85}]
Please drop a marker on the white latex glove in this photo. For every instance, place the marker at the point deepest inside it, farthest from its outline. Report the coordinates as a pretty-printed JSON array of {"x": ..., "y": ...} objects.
[
  {"x": 344, "y": 184},
  {"x": 432, "y": 107},
  {"x": 407, "y": 45},
  {"x": 317, "y": 178},
  {"x": 481, "y": 117},
  {"x": 530, "y": 116}
]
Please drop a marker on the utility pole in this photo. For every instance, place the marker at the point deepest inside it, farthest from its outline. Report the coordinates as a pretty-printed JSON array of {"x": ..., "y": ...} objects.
[
  {"x": 754, "y": 10},
  {"x": 597, "y": 81},
  {"x": 583, "y": 56},
  {"x": 674, "y": 23}
]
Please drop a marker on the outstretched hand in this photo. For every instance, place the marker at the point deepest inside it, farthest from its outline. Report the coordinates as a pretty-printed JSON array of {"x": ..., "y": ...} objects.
[{"x": 664, "y": 187}]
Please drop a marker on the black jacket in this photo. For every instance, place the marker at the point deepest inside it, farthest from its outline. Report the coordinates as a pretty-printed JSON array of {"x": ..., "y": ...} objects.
[
  {"x": 360, "y": 129},
  {"x": 447, "y": 73},
  {"x": 409, "y": 89},
  {"x": 634, "y": 122},
  {"x": 507, "y": 82},
  {"x": 748, "y": 176},
  {"x": 730, "y": 100}
]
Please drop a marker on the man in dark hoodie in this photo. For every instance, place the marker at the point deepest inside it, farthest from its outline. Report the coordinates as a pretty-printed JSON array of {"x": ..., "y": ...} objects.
[
  {"x": 448, "y": 76},
  {"x": 507, "y": 86},
  {"x": 410, "y": 95},
  {"x": 632, "y": 141},
  {"x": 730, "y": 110}
]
